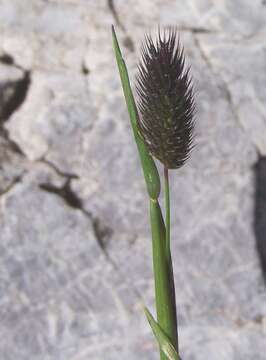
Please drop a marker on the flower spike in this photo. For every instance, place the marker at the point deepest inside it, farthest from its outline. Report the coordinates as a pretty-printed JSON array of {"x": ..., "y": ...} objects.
[{"x": 165, "y": 99}]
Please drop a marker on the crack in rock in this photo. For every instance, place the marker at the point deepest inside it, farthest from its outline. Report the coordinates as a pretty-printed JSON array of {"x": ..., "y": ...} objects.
[
  {"x": 11, "y": 143},
  {"x": 101, "y": 231},
  {"x": 224, "y": 88},
  {"x": 13, "y": 103},
  {"x": 260, "y": 211},
  {"x": 16, "y": 180},
  {"x": 57, "y": 170},
  {"x": 202, "y": 53},
  {"x": 7, "y": 59},
  {"x": 114, "y": 12},
  {"x": 259, "y": 222},
  {"x": 12, "y": 96},
  {"x": 196, "y": 30},
  {"x": 65, "y": 192},
  {"x": 127, "y": 41}
]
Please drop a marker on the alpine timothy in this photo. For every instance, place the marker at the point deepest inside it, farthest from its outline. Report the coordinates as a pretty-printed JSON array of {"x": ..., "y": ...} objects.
[{"x": 165, "y": 99}]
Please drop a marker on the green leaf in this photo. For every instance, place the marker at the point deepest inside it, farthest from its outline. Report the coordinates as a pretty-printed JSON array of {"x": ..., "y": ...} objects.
[
  {"x": 148, "y": 165},
  {"x": 164, "y": 285},
  {"x": 163, "y": 340}
]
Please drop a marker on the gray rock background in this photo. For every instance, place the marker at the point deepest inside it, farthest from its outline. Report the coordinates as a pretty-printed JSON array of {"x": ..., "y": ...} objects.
[{"x": 75, "y": 246}]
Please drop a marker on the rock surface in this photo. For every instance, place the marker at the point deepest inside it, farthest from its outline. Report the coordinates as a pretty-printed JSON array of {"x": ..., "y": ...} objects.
[{"x": 75, "y": 248}]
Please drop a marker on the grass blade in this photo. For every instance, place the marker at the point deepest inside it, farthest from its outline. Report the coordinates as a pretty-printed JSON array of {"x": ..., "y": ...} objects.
[
  {"x": 149, "y": 168},
  {"x": 165, "y": 306},
  {"x": 165, "y": 345}
]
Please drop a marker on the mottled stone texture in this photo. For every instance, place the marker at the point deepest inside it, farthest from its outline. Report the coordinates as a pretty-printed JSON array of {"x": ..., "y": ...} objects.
[{"x": 75, "y": 246}]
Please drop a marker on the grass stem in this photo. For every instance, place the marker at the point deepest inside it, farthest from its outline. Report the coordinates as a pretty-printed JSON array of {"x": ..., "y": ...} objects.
[{"x": 167, "y": 212}]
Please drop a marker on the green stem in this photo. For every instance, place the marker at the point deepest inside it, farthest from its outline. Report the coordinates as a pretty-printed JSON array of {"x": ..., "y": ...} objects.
[
  {"x": 168, "y": 248},
  {"x": 164, "y": 295},
  {"x": 167, "y": 212}
]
